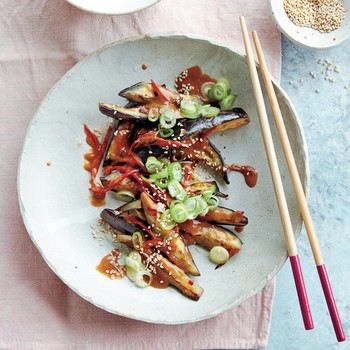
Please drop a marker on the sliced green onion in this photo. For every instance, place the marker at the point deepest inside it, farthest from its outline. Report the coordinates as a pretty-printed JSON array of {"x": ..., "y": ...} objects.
[
  {"x": 140, "y": 279},
  {"x": 162, "y": 183},
  {"x": 160, "y": 174},
  {"x": 175, "y": 171},
  {"x": 174, "y": 188},
  {"x": 202, "y": 205},
  {"x": 179, "y": 213},
  {"x": 228, "y": 102},
  {"x": 209, "y": 192},
  {"x": 225, "y": 82},
  {"x": 137, "y": 239},
  {"x": 131, "y": 273},
  {"x": 206, "y": 87},
  {"x": 189, "y": 108},
  {"x": 133, "y": 261},
  {"x": 153, "y": 165},
  {"x": 164, "y": 161},
  {"x": 153, "y": 114},
  {"x": 125, "y": 196},
  {"x": 192, "y": 207},
  {"x": 213, "y": 202},
  {"x": 182, "y": 196},
  {"x": 218, "y": 255},
  {"x": 219, "y": 91},
  {"x": 167, "y": 119},
  {"x": 210, "y": 111},
  {"x": 166, "y": 222},
  {"x": 174, "y": 202},
  {"x": 165, "y": 133}
]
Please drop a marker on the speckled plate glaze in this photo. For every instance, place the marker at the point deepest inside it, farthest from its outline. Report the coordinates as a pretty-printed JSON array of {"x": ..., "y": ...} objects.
[
  {"x": 309, "y": 37},
  {"x": 54, "y": 196},
  {"x": 112, "y": 7}
]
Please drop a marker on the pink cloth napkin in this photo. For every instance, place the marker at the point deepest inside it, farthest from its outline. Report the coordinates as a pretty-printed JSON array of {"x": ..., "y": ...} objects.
[{"x": 39, "y": 41}]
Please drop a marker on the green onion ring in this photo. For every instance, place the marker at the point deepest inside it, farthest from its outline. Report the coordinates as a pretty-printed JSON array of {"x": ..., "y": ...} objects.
[
  {"x": 137, "y": 236},
  {"x": 166, "y": 222},
  {"x": 179, "y": 213},
  {"x": 153, "y": 165}
]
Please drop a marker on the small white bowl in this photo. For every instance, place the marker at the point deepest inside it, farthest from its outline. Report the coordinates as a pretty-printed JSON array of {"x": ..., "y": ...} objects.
[
  {"x": 309, "y": 37},
  {"x": 112, "y": 7}
]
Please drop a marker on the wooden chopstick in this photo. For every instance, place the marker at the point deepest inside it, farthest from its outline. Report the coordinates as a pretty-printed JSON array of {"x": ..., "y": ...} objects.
[
  {"x": 277, "y": 183},
  {"x": 305, "y": 212}
]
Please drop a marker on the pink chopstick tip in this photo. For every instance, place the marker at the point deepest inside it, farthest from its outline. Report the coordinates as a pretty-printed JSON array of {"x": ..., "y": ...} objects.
[
  {"x": 301, "y": 290},
  {"x": 332, "y": 307}
]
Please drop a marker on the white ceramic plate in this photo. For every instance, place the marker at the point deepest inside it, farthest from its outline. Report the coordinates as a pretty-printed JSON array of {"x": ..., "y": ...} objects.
[
  {"x": 112, "y": 7},
  {"x": 54, "y": 199},
  {"x": 307, "y": 36}
]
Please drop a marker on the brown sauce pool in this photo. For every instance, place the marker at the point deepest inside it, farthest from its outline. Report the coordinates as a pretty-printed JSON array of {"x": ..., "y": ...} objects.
[{"x": 250, "y": 174}]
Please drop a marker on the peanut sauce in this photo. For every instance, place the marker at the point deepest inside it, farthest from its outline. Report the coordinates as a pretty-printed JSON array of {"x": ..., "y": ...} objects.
[
  {"x": 191, "y": 80},
  {"x": 110, "y": 267},
  {"x": 250, "y": 174}
]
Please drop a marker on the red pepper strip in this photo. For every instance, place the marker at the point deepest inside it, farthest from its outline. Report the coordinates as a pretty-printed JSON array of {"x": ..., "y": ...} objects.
[
  {"x": 98, "y": 148},
  {"x": 91, "y": 139},
  {"x": 151, "y": 243},
  {"x": 132, "y": 220},
  {"x": 158, "y": 91},
  {"x": 96, "y": 188},
  {"x": 110, "y": 168},
  {"x": 150, "y": 139},
  {"x": 150, "y": 188}
]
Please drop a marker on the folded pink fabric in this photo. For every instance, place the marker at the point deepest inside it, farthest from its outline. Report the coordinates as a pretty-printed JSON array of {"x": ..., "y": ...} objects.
[{"x": 39, "y": 42}]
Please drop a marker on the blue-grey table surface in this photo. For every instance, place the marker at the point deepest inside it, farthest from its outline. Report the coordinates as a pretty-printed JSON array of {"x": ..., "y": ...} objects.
[{"x": 318, "y": 83}]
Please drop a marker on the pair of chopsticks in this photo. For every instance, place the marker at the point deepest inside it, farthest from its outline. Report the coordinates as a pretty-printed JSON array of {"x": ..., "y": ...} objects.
[{"x": 278, "y": 188}]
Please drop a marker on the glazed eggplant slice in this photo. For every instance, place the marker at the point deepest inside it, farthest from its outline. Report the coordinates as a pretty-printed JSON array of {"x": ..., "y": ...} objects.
[
  {"x": 133, "y": 114},
  {"x": 208, "y": 236},
  {"x": 125, "y": 185},
  {"x": 166, "y": 271},
  {"x": 175, "y": 276},
  {"x": 198, "y": 188},
  {"x": 201, "y": 149},
  {"x": 117, "y": 222},
  {"x": 146, "y": 93},
  {"x": 174, "y": 246},
  {"x": 225, "y": 216},
  {"x": 225, "y": 120},
  {"x": 119, "y": 143}
]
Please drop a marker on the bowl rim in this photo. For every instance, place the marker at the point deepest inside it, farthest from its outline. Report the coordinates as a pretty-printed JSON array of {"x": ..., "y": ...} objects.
[
  {"x": 78, "y": 4},
  {"x": 277, "y": 22}
]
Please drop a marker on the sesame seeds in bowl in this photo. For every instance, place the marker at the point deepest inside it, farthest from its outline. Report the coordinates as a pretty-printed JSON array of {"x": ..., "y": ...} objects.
[
  {"x": 115, "y": 7},
  {"x": 313, "y": 23}
]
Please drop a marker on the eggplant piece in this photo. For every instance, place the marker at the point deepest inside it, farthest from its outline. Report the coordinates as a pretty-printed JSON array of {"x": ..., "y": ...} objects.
[
  {"x": 144, "y": 93},
  {"x": 144, "y": 152},
  {"x": 208, "y": 236},
  {"x": 119, "y": 224},
  {"x": 167, "y": 271},
  {"x": 133, "y": 114},
  {"x": 202, "y": 150},
  {"x": 225, "y": 216},
  {"x": 174, "y": 246},
  {"x": 224, "y": 120},
  {"x": 125, "y": 185},
  {"x": 199, "y": 187},
  {"x": 134, "y": 205},
  {"x": 119, "y": 143},
  {"x": 176, "y": 277},
  {"x": 140, "y": 92}
]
